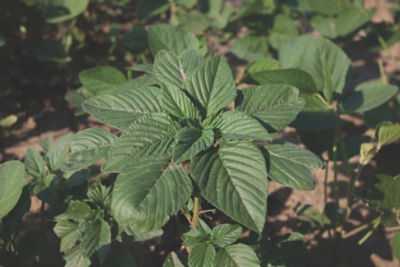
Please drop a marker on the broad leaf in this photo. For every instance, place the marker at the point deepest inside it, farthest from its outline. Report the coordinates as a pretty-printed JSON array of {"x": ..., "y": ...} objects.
[
  {"x": 95, "y": 234},
  {"x": 148, "y": 136},
  {"x": 233, "y": 179},
  {"x": 165, "y": 37},
  {"x": 147, "y": 193},
  {"x": 328, "y": 7},
  {"x": 121, "y": 108},
  {"x": 34, "y": 164},
  {"x": 68, "y": 232},
  {"x": 225, "y": 234},
  {"x": 239, "y": 255},
  {"x": 387, "y": 133},
  {"x": 274, "y": 105},
  {"x": 383, "y": 195},
  {"x": 212, "y": 85},
  {"x": 250, "y": 47},
  {"x": 76, "y": 210},
  {"x": 101, "y": 80},
  {"x": 88, "y": 147},
  {"x": 328, "y": 65},
  {"x": 238, "y": 125},
  {"x": 191, "y": 141},
  {"x": 202, "y": 255},
  {"x": 171, "y": 69},
  {"x": 259, "y": 65},
  {"x": 291, "y": 165},
  {"x": 366, "y": 97},
  {"x": 172, "y": 261},
  {"x": 75, "y": 258},
  {"x": 57, "y": 153},
  {"x": 12, "y": 179},
  {"x": 351, "y": 19},
  {"x": 138, "y": 83},
  {"x": 284, "y": 30},
  {"x": 295, "y": 77},
  {"x": 57, "y": 11},
  {"x": 176, "y": 103},
  {"x": 325, "y": 25},
  {"x": 316, "y": 115}
]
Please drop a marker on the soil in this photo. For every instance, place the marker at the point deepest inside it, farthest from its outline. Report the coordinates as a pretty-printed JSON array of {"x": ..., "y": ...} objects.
[{"x": 47, "y": 113}]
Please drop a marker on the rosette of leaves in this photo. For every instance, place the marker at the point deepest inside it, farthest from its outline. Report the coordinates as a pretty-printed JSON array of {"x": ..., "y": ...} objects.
[{"x": 184, "y": 118}]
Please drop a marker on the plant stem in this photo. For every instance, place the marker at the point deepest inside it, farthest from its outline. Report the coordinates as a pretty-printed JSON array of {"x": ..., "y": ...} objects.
[
  {"x": 372, "y": 224},
  {"x": 384, "y": 78},
  {"x": 335, "y": 173},
  {"x": 196, "y": 212},
  {"x": 354, "y": 177},
  {"x": 387, "y": 48},
  {"x": 326, "y": 182}
]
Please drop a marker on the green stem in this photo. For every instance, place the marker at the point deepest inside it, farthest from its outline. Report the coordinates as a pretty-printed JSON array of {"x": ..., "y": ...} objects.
[
  {"x": 326, "y": 182},
  {"x": 335, "y": 173},
  {"x": 372, "y": 224},
  {"x": 387, "y": 48},
  {"x": 375, "y": 224},
  {"x": 384, "y": 78},
  {"x": 196, "y": 212}
]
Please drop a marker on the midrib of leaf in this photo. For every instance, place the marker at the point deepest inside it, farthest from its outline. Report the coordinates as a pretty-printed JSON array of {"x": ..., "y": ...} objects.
[
  {"x": 288, "y": 159},
  {"x": 288, "y": 172},
  {"x": 232, "y": 258},
  {"x": 183, "y": 76},
  {"x": 235, "y": 186}
]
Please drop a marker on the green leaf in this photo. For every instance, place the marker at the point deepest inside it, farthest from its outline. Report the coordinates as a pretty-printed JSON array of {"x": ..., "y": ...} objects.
[
  {"x": 284, "y": 29},
  {"x": 147, "y": 193},
  {"x": 171, "y": 69},
  {"x": 176, "y": 103},
  {"x": 95, "y": 234},
  {"x": 143, "y": 81},
  {"x": 238, "y": 125},
  {"x": 8, "y": 121},
  {"x": 225, "y": 234},
  {"x": 239, "y": 255},
  {"x": 88, "y": 147},
  {"x": 75, "y": 258},
  {"x": 2, "y": 40},
  {"x": 366, "y": 97},
  {"x": 212, "y": 85},
  {"x": 327, "y": 64},
  {"x": 12, "y": 179},
  {"x": 202, "y": 255},
  {"x": 57, "y": 11},
  {"x": 294, "y": 77},
  {"x": 316, "y": 115},
  {"x": 100, "y": 196},
  {"x": 250, "y": 47},
  {"x": 149, "y": 135},
  {"x": 101, "y": 80},
  {"x": 152, "y": 8},
  {"x": 196, "y": 235},
  {"x": 249, "y": 7},
  {"x": 396, "y": 245},
  {"x": 165, "y": 37},
  {"x": 274, "y": 105},
  {"x": 351, "y": 19},
  {"x": 76, "y": 210},
  {"x": 260, "y": 65},
  {"x": 325, "y": 25},
  {"x": 291, "y": 165},
  {"x": 68, "y": 232},
  {"x": 146, "y": 68},
  {"x": 194, "y": 21},
  {"x": 328, "y": 7},
  {"x": 383, "y": 195},
  {"x": 172, "y": 261},
  {"x": 121, "y": 108},
  {"x": 46, "y": 143},
  {"x": 57, "y": 153},
  {"x": 191, "y": 141},
  {"x": 233, "y": 179},
  {"x": 34, "y": 164},
  {"x": 387, "y": 133}
]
